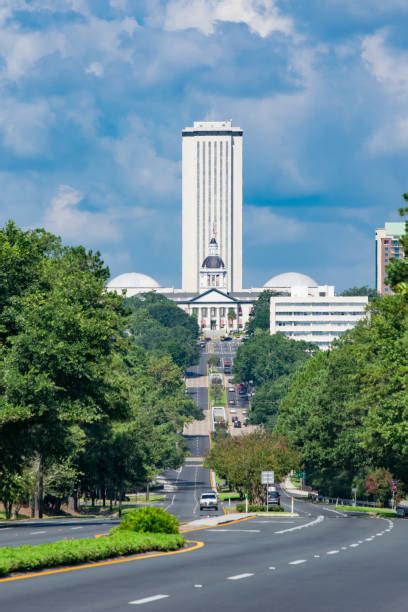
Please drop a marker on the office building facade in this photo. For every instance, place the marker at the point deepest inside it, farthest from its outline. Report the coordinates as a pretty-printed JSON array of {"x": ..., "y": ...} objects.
[{"x": 211, "y": 201}]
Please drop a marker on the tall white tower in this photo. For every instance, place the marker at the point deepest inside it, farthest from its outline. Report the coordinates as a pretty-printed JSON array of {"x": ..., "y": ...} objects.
[{"x": 212, "y": 198}]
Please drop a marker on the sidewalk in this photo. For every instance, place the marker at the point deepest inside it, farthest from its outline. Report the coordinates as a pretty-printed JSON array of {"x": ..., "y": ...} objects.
[{"x": 291, "y": 490}]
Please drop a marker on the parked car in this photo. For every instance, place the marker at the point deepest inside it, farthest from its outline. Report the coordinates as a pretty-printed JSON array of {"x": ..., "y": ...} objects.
[
  {"x": 231, "y": 389},
  {"x": 209, "y": 500},
  {"x": 233, "y": 410},
  {"x": 237, "y": 424},
  {"x": 273, "y": 498},
  {"x": 234, "y": 418},
  {"x": 231, "y": 401}
]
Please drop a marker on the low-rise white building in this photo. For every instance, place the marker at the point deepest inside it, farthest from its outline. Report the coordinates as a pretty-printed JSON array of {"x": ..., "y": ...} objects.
[{"x": 317, "y": 319}]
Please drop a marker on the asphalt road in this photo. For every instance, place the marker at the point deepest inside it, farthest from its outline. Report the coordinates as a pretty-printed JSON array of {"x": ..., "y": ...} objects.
[
  {"x": 29, "y": 533},
  {"x": 324, "y": 562}
]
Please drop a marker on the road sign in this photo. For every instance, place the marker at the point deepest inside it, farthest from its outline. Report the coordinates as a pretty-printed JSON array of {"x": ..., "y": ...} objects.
[{"x": 268, "y": 478}]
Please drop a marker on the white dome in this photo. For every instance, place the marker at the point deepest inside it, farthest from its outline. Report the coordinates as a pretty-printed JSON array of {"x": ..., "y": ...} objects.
[
  {"x": 290, "y": 279},
  {"x": 133, "y": 280}
]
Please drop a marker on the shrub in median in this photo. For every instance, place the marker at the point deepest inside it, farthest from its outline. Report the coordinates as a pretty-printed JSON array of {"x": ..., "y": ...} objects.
[
  {"x": 149, "y": 520},
  {"x": 258, "y": 508},
  {"x": 71, "y": 552}
]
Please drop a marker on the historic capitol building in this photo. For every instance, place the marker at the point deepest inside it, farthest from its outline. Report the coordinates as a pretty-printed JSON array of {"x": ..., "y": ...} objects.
[{"x": 212, "y": 252}]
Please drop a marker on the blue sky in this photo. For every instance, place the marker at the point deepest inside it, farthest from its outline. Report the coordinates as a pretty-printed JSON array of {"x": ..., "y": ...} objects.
[{"x": 94, "y": 94}]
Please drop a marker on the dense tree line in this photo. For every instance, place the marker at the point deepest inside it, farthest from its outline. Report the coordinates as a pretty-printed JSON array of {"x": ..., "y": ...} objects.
[
  {"x": 83, "y": 408},
  {"x": 159, "y": 325},
  {"x": 268, "y": 362},
  {"x": 345, "y": 410}
]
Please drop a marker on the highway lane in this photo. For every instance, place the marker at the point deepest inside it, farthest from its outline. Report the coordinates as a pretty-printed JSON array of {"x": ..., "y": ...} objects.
[
  {"x": 310, "y": 563},
  {"x": 18, "y": 534}
]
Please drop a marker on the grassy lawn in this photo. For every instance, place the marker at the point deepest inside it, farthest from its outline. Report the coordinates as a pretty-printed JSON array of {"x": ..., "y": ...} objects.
[
  {"x": 226, "y": 495},
  {"x": 386, "y": 512},
  {"x": 70, "y": 552}
]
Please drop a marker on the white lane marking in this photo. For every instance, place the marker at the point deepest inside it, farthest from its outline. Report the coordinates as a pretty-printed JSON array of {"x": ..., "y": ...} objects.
[
  {"x": 235, "y": 530},
  {"x": 37, "y": 532},
  {"x": 332, "y": 552},
  {"x": 76, "y": 528},
  {"x": 378, "y": 534},
  {"x": 268, "y": 522},
  {"x": 354, "y": 545},
  {"x": 4, "y": 529},
  {"x": 138, "y": 602},
  {"x": 319, "y": 519},
  {"x": 239, "y": 576},
  {"x": 344, "y": 548},
  {"x": 369, "y": 539},
  {"x": 272, "y": 567},
  {"x": 198, "y": 586},
  {"x": 297, "y": 562},
  {"x": 335, "y": 511},
  {"x": 316, "y": 556}
]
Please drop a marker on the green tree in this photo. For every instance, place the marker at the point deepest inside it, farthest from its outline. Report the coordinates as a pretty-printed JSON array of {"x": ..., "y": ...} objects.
[
  {"x": 266, "y": 358},
  {"x": 158, "y": 324},
  {"x": 55, "y": 373},
  {"x": 365, "y": 290},
  {"x": 241, "y": 460},
  {"x": 397, "y": 269},
  {"x": 260, "y": 316},
  {"x": 346, "y": 410}
]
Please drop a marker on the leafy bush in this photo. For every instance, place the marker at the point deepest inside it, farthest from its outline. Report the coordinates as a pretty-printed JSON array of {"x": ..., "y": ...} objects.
[
  {"x": 258, "y": 508},
  {"x": 149, "y": 520},
  {"x": 70, "y": 552}
]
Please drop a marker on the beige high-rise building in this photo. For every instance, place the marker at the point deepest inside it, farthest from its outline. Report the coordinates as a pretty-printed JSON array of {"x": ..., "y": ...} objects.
[
  {"x": 212, "y": 201},
  {"x": 387, "y": 247}
]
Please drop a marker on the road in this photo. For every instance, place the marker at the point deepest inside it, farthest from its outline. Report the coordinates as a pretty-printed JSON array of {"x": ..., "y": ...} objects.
[{"x": 321, "y": 561}]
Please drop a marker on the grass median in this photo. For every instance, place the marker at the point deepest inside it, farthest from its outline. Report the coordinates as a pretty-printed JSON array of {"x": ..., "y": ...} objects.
[
  {"x": 71, "y": 552},
  {"x": 383, "y": 512}
]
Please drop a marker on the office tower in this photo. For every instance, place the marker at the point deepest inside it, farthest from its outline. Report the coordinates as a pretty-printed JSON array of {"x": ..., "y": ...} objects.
[
  {"x": 387, "y": 247},
  {"x": 212, "y": 200}
]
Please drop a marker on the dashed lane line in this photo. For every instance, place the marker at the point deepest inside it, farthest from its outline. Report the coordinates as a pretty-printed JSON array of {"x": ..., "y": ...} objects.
[
  {"x": 138, "y": 602},
  {"x": 37, "y": 532},
  {"x": 297, "y": 562},
  {"x": 236, "y": 530},
  {"x": 332, "y": 552},
  {"x": 239, "y": 576}
]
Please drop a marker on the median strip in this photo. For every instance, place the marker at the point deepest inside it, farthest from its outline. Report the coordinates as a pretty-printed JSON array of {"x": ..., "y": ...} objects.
[{"x": 193, "y": 545}]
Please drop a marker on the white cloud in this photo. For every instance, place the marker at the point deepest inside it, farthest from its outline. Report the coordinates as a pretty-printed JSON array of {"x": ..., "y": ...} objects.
[
  {"x": 263, "y": 227},
  {"x": 147, "y": 173},
  {"x": 388, "y": 66},
  {"x": 390, "y": 69},
  {"x": 24, "y": 126},
  {"x": 95, "y": 68},
  {"x": 65, "y": 218},
  {"x": 261, "y": 16}
]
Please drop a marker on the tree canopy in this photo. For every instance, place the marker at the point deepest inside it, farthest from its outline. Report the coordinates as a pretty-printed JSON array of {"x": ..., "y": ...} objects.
[
  {"x": 158, "y": 324},
  {"x": 260, "y": 316},
  {"x": 346, "y": 409},
  {"x": 82, "y": 406}
]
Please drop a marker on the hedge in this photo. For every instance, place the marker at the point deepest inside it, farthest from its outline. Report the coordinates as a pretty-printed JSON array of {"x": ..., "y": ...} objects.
[
  {"x": 149, "y": 520},
  {"x": 71, "y": 552}
]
